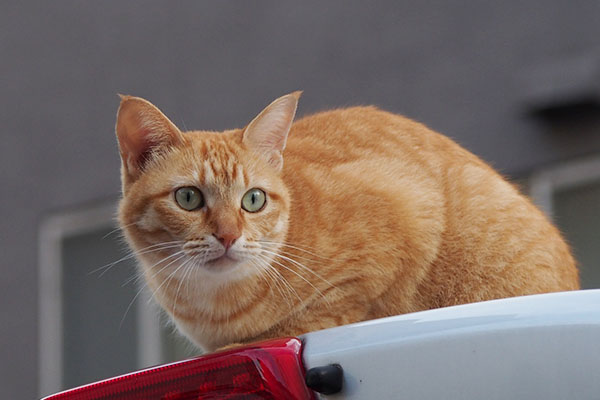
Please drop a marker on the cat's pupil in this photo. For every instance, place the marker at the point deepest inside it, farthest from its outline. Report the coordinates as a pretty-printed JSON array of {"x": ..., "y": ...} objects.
[
  {"x": 254, "y": 200},
  {"x": 189, "y": 198}
]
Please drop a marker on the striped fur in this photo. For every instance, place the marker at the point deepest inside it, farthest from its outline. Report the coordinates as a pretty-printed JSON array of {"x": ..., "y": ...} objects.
[{"x": 370, "y": 215}]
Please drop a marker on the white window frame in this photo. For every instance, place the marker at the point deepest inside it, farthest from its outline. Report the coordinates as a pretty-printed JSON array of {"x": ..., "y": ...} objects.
[
  {"x": 53, "y": 231},
  {"x": 545, "y": 182}
]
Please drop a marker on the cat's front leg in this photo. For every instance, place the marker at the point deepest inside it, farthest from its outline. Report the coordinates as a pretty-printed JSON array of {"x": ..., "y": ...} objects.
[
  {"x": 320, "y": 314},
  {"x": 228, "y": 347}
]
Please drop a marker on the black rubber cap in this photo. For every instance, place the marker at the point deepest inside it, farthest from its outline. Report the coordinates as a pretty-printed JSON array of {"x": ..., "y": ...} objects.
[{"x": 325, "y": 380}]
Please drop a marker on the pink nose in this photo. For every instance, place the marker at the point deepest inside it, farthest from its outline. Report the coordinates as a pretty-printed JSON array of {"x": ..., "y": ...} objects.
[{"x": 227, "y": 239}]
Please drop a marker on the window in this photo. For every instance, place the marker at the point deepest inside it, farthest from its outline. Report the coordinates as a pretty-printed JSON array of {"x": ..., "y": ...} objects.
[
  {"x": 570, "y": 194},
  {"x": 95, "y": 322}
]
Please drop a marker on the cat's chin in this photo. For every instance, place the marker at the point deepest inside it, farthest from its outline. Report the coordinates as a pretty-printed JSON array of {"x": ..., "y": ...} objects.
[
  {"x": 224, "y": 270},
  {"x": 222, "y": 264}
]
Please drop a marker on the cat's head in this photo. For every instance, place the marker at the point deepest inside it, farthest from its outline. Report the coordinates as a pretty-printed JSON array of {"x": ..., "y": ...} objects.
[{"x": 209, "y": 202}]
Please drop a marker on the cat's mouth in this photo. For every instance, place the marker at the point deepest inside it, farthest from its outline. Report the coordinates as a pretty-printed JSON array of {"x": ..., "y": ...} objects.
[
  {"x": 221, "y": 263},
  {"x": 221, "y": 259},
  {"x": 212, "y": 258}
]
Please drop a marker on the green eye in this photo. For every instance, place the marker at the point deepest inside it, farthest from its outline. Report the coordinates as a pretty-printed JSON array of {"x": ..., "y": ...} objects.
[
  {"x": 189, "y": 198},
  {"x": 254, "y": 200}
]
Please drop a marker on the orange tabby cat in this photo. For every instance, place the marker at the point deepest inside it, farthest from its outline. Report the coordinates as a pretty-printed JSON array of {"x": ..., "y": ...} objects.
[{"x": 249, "y": 234}]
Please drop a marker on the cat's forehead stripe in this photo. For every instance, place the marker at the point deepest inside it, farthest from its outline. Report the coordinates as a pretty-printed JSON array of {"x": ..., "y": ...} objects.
[
  {"x": 240, "y": 174},
  {"x": 244, "y": 175},
  {"x": 209, "y": 172},
  {"x": 219, "y": 164},
  {"x": 234, "y": 173},
  {"x": 196, "y": 175},
  {"x": 218, "y": 174}
]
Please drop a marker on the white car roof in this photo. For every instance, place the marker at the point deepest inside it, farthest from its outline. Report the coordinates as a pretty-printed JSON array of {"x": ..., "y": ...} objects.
[{"x": 532, "y": 347}]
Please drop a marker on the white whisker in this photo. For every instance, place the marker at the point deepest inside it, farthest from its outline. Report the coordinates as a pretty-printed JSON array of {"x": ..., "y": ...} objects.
[
  {"x": 143, "y": 287},
  {"x": 118, "y": 228},
  {"x": 187, "y": 269},
  {"x": 180, "y": 252},
  {"x": 168, "y": 279},
  {"x": 132, "y": 254},
  {"x": 278, "y": 279},
  {"x": 291, "y": 254},
  {"x": 294, "y": 247},
  {"x": 303, "y": 278},
  {"x": 300, "y": 265}
]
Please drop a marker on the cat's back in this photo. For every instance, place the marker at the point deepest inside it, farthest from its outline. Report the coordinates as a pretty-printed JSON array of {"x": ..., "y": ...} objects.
[
  {"x": 366, "y": 172},
  {"x": 353, "y": 134}
]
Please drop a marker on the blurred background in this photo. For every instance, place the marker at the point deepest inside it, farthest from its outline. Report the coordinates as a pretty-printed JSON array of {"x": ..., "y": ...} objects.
[{"x": 515, "y": 82}]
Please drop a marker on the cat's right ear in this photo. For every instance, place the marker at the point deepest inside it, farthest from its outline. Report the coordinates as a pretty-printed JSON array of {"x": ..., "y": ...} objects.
[
  {"x": 267, "y": 133},
  {"x": 142, "y": 131}
]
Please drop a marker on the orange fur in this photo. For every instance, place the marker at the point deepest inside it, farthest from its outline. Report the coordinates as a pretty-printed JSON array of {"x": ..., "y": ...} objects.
[{"x": 368, "y": 214}]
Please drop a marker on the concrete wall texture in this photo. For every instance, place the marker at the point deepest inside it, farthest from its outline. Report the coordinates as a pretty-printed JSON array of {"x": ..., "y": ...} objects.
[{"x": 467, "y": 68}]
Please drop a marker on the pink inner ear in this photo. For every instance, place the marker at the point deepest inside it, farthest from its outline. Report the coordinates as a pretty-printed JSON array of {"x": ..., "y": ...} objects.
[
  {"x": 268, "y": 131},
  {"x": 142, "y": 130},
  {"x": 143, "y": 157},
  {"x": 139, "y": 147},
  {"x": 274, "y": 141}
]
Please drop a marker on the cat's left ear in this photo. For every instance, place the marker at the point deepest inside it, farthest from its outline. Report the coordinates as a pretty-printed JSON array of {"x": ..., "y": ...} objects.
[
  {"x": 142, "y": 131},
  {"x": 267, "y": 133}
]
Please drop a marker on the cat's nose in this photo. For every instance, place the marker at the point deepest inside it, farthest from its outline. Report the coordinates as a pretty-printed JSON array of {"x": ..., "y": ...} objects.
[{"x": 226, "y": 239}]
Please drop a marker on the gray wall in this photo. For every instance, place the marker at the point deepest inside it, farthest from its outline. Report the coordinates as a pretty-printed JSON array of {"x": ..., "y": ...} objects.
[{"x": 466, "y": 68}]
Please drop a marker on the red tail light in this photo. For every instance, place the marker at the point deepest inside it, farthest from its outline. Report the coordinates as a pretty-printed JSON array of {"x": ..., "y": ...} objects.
[{"x": 266, "y": 370}]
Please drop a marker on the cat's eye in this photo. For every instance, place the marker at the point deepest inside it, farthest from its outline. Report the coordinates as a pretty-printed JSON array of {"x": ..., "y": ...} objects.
[
  {"x": 254, "y": 200},
  {"x": 189, "y": 198}
]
